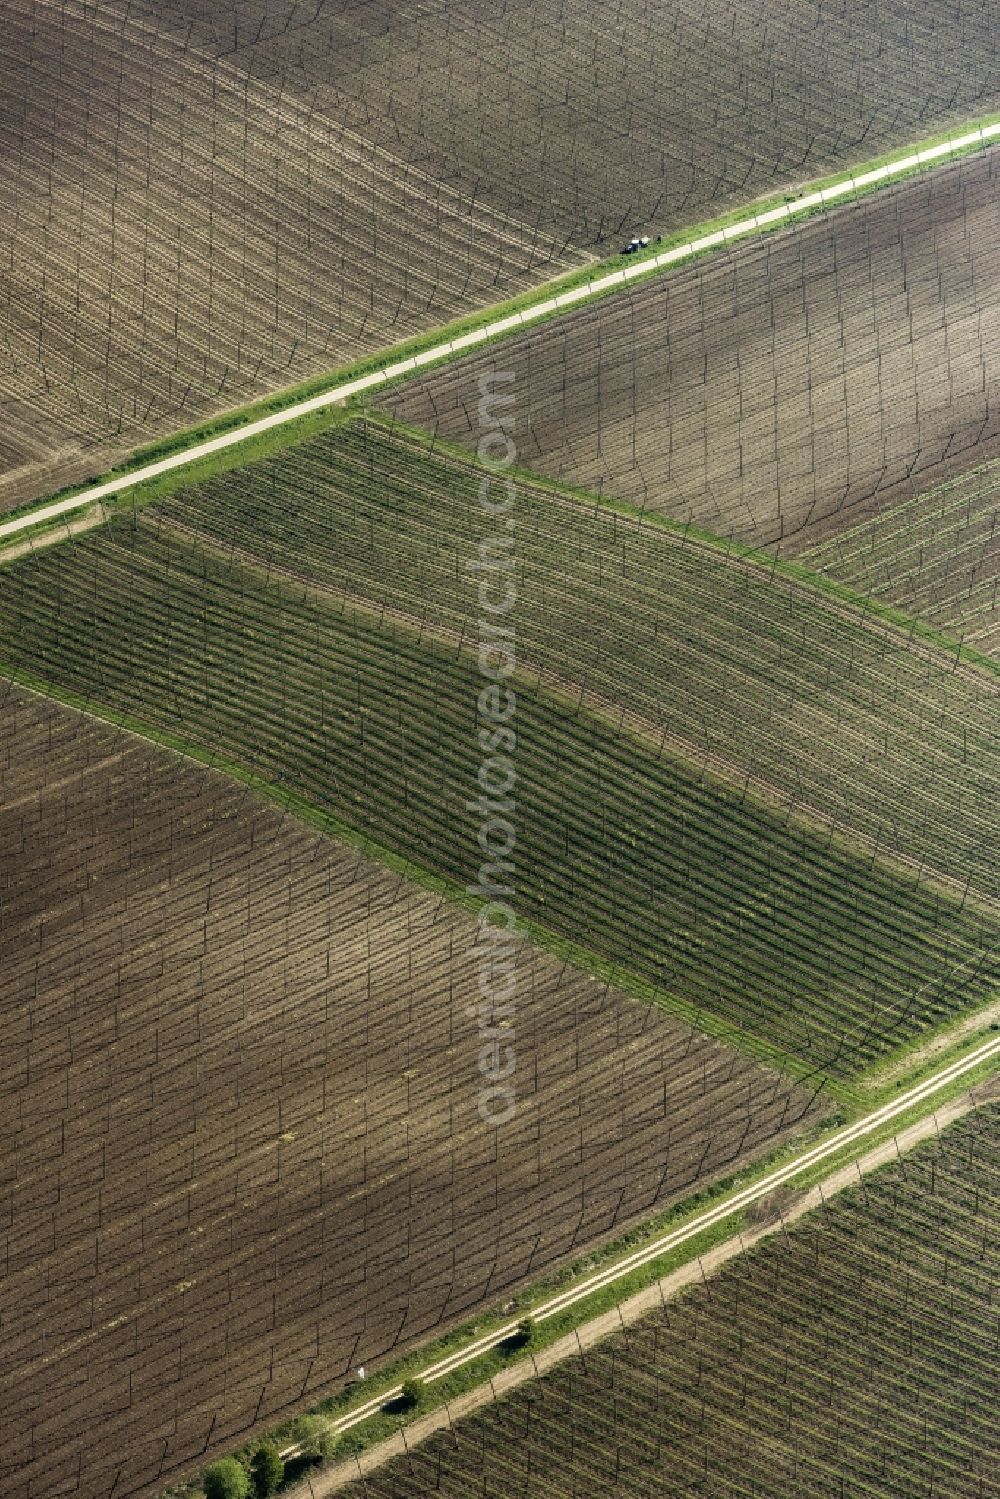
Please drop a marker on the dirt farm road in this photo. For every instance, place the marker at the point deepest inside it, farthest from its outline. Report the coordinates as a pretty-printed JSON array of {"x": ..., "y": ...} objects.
[
  {"x": 337, "y": 1476},
  {"x": 449, "y": 348},
  {"x": 833, "y": 1145}
]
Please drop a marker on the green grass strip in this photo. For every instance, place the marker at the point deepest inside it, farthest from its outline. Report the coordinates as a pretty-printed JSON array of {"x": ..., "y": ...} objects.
[
  {"x": 595, "y": 271},
  {"x": 865, "y": 604},
  {"x": 301, "y": 806},
  {"x": 384, "y": 1424}
]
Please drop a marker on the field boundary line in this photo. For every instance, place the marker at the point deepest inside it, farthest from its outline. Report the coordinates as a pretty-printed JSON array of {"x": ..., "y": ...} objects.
[
  {"x": 737, "y": 1201},
  {"x": 636, "y": 1306},
  {"x": 867, "y": 610},
  {"x": 807, "y": 1073},
  {"x": 568, "y": 692},
  {"x": 572, "y": 296},
  {"x": 611, "y": 972}
]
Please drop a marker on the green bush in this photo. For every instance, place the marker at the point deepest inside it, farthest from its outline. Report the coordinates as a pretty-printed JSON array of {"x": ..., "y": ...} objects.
[
  {"x": 526, "y": 1331},
  {"x": 413, "y": 1393},
  {"x": 226, "y": 1480},
  {"x": 267, "y": 1470},
  {"x": 316, "y": 1437}
]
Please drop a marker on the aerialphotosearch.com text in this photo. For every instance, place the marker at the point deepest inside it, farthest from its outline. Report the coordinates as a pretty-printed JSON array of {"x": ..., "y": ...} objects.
[{"x": 492, "y": 571}]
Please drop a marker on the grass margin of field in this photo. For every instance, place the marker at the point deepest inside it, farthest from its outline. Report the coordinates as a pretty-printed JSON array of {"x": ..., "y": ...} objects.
[
  {"x": 478, "y": 1371},
  {"x": 254, "y": 450},
  {"x": 759, "y": 557},
  {"x": 595, "y": 270},
  {"x": 598, "y": 967}
]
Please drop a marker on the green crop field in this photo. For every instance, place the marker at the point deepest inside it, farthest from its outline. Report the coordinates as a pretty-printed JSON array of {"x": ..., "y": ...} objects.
[
  {"x": 729, "y": 906},
  {"x": 743, "y": 669},
  {"x": 499, "y": 744}
]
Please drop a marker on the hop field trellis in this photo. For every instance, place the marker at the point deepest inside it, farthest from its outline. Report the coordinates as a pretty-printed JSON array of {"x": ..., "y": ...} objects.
[
  {"x": 240, "y": 1152},
  {"x": 241, "y": 1148},
  {"x": 854, "y": 1353},
  {"x": 782, "y": 392},
  {"x": 732, "y": 908},
  {"x": 587, "y": 118},
  {"x": 938, "y": 555},
  {"x": 176, "y": 239},
  {"x": 202, "y": 204},
  {"x": 742, "y": 671}
]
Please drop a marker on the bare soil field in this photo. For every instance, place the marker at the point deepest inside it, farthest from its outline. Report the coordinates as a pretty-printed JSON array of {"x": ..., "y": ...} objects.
[
  {"x": 176, "y": 239},
  {"x": 778, "y": 393},
  {"x": 202, "y": 202},
  {"x": 588, "y": 118},
  {"x": 854, "y": 1353},
  {"x": 240, "y": 1148},
  {"x": 938, "y": 555}
]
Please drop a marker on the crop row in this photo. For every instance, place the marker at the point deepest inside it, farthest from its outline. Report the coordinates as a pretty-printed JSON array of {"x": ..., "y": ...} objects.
[
  {"x": 738, "y": 668},
  {"x": 175, "y": 240},
  {"x": 854, "y": 1354},
  {"x": 618, "y": 849},
  {"x": 596, "y": 118},
  {"x": 938, "y": 555}
]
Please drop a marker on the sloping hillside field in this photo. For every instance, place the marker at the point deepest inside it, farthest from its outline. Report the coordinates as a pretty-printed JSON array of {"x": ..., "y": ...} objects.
[
  {"x": 733, "y": 870},
  {"x": 203, "y": 201},
  {"x": 937, "y": 555},
  {"x": 175, "y": 240},
  {"x": 238, "y": 1091},
  {"x": 589, "y": 118},
  {"x": 856, "y": 1353},
  {"x": 783, "y": 391},
  {"x": 499, "y": 748},
  {"x": 738, "y": 667}
]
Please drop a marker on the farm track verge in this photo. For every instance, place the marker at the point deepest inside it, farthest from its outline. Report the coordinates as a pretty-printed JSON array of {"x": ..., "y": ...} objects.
[
  {"x": 450, "y": 342},
  {"x": 652, "y": 1266},
  {"x": 781, "y": 395},
  {"x": 244, "y": 1103},
  {"x": 853, "y": 1307}
]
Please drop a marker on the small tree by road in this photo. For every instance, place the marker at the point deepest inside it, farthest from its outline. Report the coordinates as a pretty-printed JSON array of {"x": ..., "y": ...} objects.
[
  {"x": 316, "y": 1437},
  {"x": 226, "y": 1479},
  {"x": 413, "y": 1393},
  {"x": 267, "y": 1470}
]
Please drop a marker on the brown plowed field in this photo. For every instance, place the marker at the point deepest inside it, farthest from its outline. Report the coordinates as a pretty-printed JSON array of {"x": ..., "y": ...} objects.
[
  {"x": 175, "y": 240},
  {"x": 780, "y": 392},
  {"x": 205, "y": 200},
  {"x": 240, "y": 1147},
  {"x": 590, "y": 117}
]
